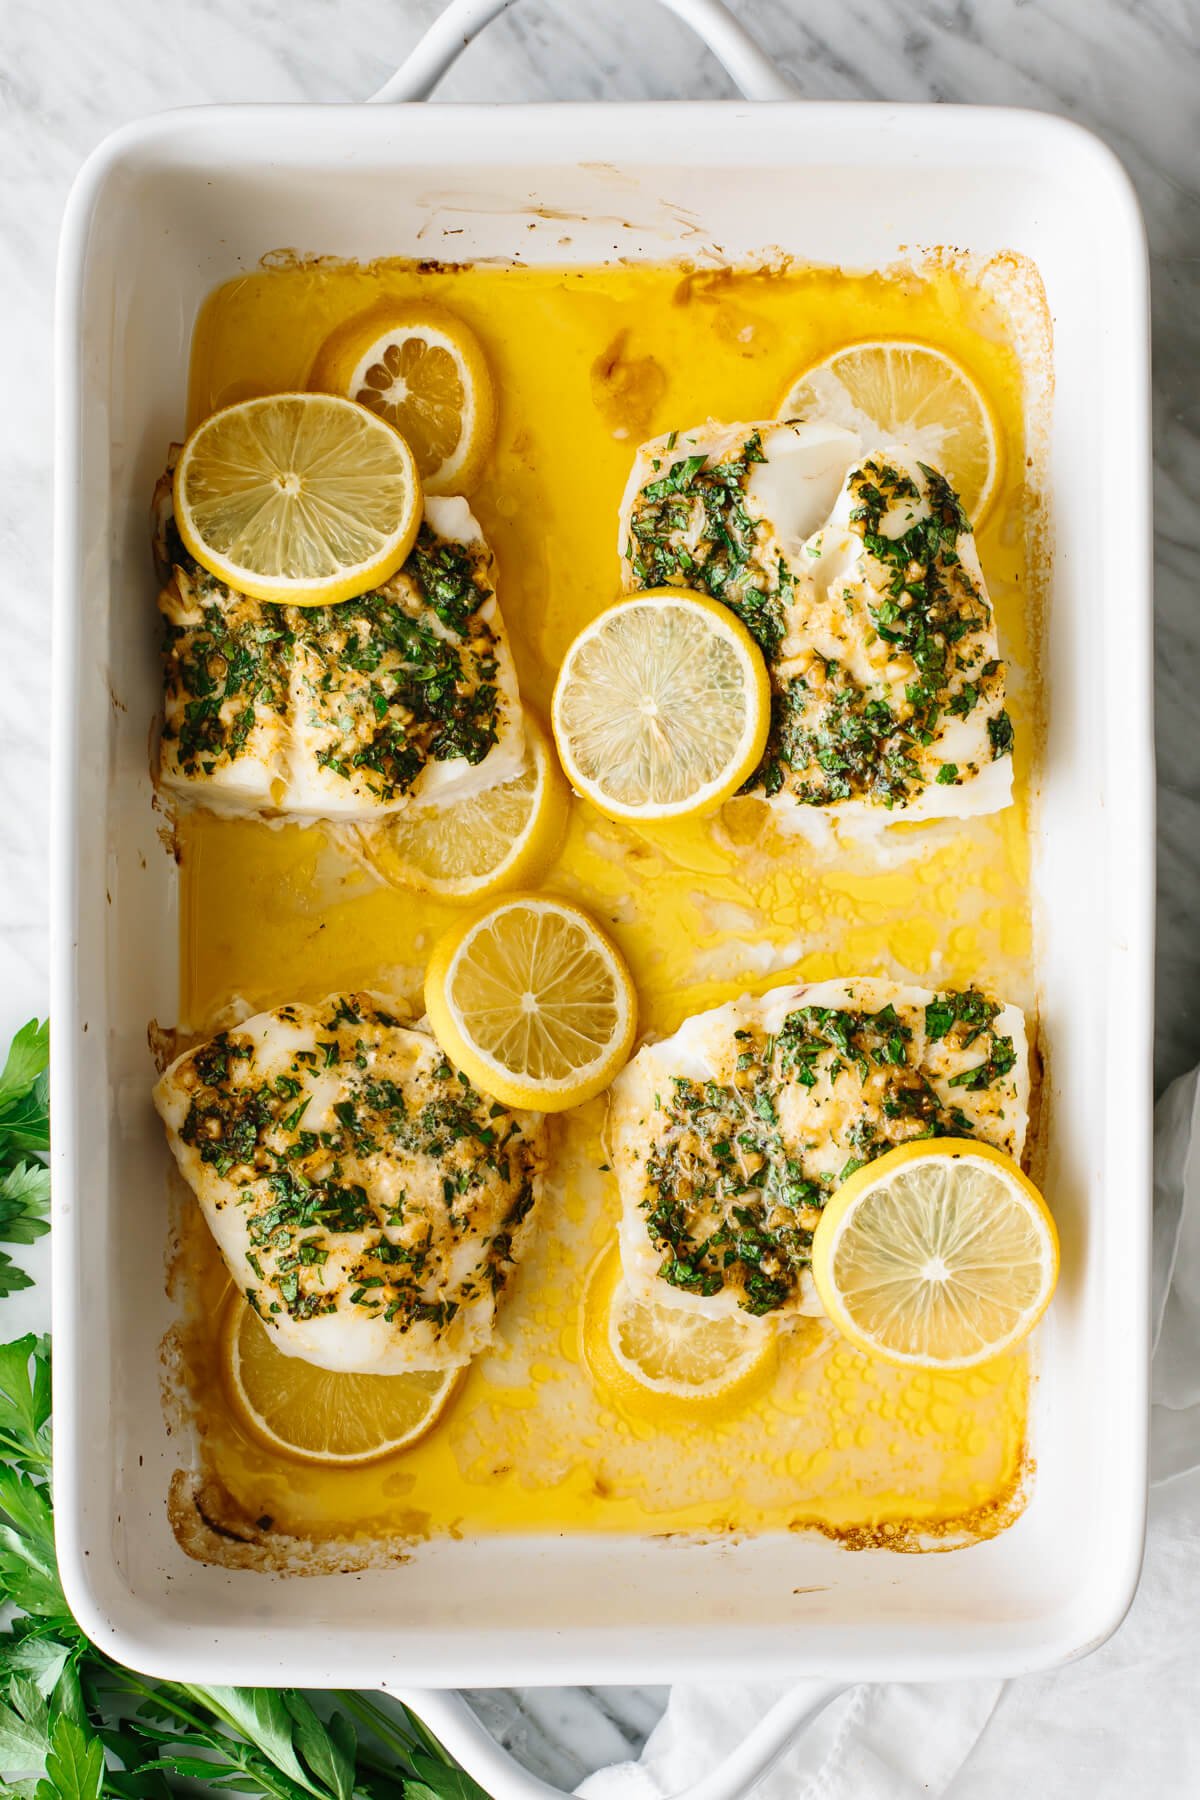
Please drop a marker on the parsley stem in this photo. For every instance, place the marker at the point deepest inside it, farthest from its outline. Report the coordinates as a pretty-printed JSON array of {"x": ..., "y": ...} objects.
[
  {"x": 25, "y": 1451},
  {"x": 165, "y": 1695},
  {"x": 385, "y": 1726},
  {"x": 375, "y": 1765}
]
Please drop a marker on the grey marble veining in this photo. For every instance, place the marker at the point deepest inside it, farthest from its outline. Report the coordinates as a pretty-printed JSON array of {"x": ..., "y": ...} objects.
[
  {"x": 565, "y": 1733},
  {"x": 69, "y": 73}
]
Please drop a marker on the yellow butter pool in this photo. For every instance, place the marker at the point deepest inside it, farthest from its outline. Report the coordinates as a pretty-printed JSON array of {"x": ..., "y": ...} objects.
[{"x": 588, "y": 362}]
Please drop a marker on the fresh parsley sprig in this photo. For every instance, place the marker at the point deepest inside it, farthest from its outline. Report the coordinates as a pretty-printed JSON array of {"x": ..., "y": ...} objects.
[
  {"x": 74, "y": 1725},
  {"x": 24, "y": 1140}
]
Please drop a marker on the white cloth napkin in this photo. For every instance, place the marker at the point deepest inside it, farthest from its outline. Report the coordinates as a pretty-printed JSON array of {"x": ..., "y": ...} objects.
[{"x": 1123, "y": 1721}]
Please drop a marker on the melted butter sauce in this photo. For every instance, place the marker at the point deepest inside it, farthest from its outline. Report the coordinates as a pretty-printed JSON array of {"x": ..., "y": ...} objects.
[{"x": 587, "y": 363}]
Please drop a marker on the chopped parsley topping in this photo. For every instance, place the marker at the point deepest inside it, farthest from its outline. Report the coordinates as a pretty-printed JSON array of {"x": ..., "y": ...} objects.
[
  {"x": 223, "y": 672},
  {"x": 386, "y": 682},
  {"x": 445, "y": 572},
  {"x": 831, "y": 743},
  {"x": 467, "y": 1170},
  {"x": 1000, "y": 735},
  {"x": 724, "y": 562},
  {"x": 833, "y": 737},
  {"x": 961, "y": 1020},
  {"x": 733, "y": 1194}
]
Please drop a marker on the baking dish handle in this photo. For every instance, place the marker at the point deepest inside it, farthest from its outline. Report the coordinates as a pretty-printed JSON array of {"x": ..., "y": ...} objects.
[
  {"x": 746, "y": 64},
  {"x": 463, "y": 1733},
  {"x": 446, "y": 1713}
]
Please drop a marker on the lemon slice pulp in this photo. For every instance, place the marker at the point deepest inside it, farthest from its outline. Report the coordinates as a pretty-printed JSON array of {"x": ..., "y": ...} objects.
[
  {"x": 662, "y": 706},
  {"x": 422, "y": 369},
  {"x": 892, "y": 391},
  {"x": 940, "y": 1254},
  {"x": 317, "y": 1415},
  {"x": 532, "y": 1002},
  {"x": 646, "y": 1349},
  {"x": 464, "y": 849},
  {"x": 297, "y": 498},
  {"x": 673, "y": 1351}
]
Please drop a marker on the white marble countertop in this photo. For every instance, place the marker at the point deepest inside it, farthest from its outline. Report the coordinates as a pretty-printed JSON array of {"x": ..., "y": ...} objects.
[{"x": 1128, "y": 69}]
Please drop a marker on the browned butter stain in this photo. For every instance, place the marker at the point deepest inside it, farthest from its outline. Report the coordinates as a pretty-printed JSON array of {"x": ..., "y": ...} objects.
[{"x": 951, "y": 1533}]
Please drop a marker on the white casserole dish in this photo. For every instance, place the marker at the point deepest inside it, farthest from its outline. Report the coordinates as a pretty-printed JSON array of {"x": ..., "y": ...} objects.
[{"x": 162, "y": 213}]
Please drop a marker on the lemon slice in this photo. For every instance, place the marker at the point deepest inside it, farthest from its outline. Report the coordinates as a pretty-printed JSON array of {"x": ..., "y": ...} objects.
[
  {"x": 940, "y": 1254},
  {"x": 320, "y": 1416},
  {"x": 532, "y": 1002},
  {"x": 640, "y": 1349},
  {"x": 299, "y": 498},
  {"x": 422, "y": 369},
  {"x": 895, "y": 392},
  {"x": 464, "y": 849},
  {"x": 662, "y": 706},
  {"x": 673, "y": 1351}
]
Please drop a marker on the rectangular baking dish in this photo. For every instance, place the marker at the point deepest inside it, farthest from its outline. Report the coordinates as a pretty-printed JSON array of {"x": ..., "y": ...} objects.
[{"x": 162, "y": 213}]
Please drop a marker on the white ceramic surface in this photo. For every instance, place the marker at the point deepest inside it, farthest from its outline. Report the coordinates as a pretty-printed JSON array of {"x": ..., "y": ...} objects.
[{"x": 160, "y": 215}]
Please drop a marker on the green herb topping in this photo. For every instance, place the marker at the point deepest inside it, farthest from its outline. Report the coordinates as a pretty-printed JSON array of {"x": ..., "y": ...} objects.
[
  {"x": 382, "y": 684},
  {"x": 724, "y": 562},
  {"x": 408, "y": 1158},
  {"x": 738, "y": 1170},
  {"x": 836, "y": 736}
]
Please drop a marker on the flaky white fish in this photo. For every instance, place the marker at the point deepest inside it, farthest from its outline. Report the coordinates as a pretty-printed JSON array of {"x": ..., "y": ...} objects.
[{"x": 728, "y": 1137}]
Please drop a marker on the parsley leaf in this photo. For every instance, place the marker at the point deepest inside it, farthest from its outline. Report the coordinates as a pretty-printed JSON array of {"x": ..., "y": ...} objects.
[
  {"x": 24, "y": 1202},
  {"x": 25, "y": 1403},
  {"x": 54, "y": 1727},
  {"x": 75, "y": 1764},
  {"x": 24, "y": 1132},
  {"x": 24, "y": 1726},
  {"x": 28, "y": 1057},
  {"x": 435, "y": 1782},
  {"x": 25, "y": 1094}
]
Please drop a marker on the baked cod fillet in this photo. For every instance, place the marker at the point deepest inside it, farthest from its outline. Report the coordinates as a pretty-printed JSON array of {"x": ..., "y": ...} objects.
[
  {"x": 367, "y": 1201},
  {"x": 728, "y": 1137},
  {"x": 338, "y": 712},
  {"x": 856, "y": 571}
]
